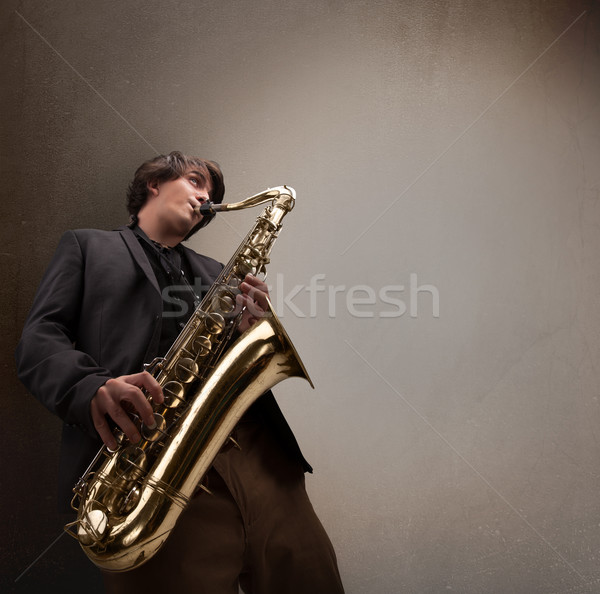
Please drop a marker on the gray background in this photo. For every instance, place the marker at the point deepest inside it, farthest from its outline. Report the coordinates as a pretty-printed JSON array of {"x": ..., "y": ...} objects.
[{"x": 457, "y": 141}]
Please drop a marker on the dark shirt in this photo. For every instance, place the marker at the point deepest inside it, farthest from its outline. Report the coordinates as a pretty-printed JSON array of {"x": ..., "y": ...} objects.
[{"x": 178, "y": 287}]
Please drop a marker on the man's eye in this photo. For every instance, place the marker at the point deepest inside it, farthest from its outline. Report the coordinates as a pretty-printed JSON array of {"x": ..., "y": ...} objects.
[{"x": 194, "y": 180}]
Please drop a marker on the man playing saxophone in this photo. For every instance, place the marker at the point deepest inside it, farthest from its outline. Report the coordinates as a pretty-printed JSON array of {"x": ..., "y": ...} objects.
[{"x": 111, "y": 302}]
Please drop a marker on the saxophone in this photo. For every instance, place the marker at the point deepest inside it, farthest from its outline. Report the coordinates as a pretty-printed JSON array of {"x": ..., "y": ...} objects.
[{"x": 129, "y": 499}]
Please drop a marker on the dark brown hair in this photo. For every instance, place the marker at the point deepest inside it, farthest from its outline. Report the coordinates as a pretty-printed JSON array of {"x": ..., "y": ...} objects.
[{"x": 166, "y": 168}]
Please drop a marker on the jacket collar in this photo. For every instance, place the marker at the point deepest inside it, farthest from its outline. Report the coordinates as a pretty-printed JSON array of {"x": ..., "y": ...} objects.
[{"x": 139, "y": 255}]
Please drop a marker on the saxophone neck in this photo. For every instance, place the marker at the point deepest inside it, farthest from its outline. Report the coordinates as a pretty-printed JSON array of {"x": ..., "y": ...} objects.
[{"x": 283, "y": 196}]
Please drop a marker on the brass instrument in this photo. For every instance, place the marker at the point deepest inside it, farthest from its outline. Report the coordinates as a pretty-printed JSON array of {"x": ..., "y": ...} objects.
[{"x": 129, "y": 500}]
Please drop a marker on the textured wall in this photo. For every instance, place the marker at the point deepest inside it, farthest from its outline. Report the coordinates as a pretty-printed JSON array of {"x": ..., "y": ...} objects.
[{"x": 445, "y": 156}]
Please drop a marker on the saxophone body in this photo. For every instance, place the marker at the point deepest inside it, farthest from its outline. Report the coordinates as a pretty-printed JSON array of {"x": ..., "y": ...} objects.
[{"x": 130, "y": 499}]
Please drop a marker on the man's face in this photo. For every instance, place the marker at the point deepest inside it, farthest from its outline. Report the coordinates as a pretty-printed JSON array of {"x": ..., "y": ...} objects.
[{"x": 172, "y": 202}]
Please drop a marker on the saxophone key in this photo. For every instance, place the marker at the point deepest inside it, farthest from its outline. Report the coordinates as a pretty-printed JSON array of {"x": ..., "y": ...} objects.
[
  {"x": 131, "y": 500},
  {"x": 244, "y": 266},
  {"x": 174, "y": 394},
  {"x": 186, "y": 370},
  {"x": 214, "y": 322},
  {"x": 92, "y": 526},
  {"x": 202, "y": 346},
  {"x": 132, "y": 463},
  {"x": 224, "y": 302},
  {"x": 156, "y": 432}
]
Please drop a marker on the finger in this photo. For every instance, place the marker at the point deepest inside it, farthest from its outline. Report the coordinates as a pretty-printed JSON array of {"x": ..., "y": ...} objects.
[
  {"x": 251, "y": 282},
  {"x": 256, "y": 282},
  {"x": 102, "y": 427},
  {"x": 149, "y": 383},
  {"x": 122, "y": 419},
  {"x": 252, "y": 306},
  {"x": 258, "y": 295},
  {"x": 138, "y": 400},
  {"x": 103, "y": 404},
  {"x": 241, "y": 301},
  {"x": 261, "y": 302},
  {"x": 116, "y": 397}
]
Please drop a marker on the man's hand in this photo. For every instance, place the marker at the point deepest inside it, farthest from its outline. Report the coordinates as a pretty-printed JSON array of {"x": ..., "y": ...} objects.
[
  {"x": 254, "y": 298},
  {"x": 121, "y": 395}
]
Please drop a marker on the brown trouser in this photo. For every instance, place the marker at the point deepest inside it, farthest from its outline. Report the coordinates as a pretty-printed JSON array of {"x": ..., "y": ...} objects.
[{"x": 258, "y": 529}]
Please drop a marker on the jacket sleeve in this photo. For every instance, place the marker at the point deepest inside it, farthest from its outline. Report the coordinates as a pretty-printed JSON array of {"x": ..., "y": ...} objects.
[{"x": 63, "y": 378}]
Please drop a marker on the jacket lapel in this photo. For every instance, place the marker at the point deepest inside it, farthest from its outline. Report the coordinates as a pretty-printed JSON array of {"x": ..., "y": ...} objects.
[{"x": 138, "y": 254}]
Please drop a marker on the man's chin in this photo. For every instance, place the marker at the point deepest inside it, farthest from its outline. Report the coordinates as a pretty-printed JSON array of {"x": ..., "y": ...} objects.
[{"x": 193, "y": 228}]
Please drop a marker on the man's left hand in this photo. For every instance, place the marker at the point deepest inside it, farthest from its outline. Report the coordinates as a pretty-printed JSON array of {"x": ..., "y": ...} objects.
[{"x": 254, "y": 298}]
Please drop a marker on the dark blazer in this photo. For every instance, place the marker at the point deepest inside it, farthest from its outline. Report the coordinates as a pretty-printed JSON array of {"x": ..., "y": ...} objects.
[{"x": 97, "y": 315}]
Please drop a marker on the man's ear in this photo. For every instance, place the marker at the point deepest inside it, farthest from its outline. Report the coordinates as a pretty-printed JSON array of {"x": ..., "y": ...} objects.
[{"x": 152, "y": 188}]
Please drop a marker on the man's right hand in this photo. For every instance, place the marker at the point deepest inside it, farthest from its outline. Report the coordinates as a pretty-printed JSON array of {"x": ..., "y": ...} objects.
[{"x": 120, "y": 395}]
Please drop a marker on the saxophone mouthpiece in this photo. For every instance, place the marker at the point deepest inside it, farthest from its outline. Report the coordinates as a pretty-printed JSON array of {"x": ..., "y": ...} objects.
[{"x": 207, "y": 209}]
